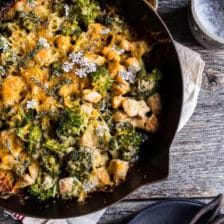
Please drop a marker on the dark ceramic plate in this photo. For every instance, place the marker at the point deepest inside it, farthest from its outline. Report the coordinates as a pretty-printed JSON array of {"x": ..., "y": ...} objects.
[
  {"x": 153, "y": 164},
  {"x": 169, "y": 212}
]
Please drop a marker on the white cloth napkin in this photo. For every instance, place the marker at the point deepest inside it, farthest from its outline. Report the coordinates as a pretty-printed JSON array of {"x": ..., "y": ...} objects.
[{"x": 192, "y": 68}]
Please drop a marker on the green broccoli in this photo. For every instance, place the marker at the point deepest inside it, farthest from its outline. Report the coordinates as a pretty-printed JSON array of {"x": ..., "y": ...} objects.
[
  {"x": 59, "y": 7},
  {"x": 78, "y": 163},
  {"x": 71, "y": 122},
  {"x": 4, "y": 47},
  {"x": 146, "y": 84},
  {"x": 35, "y": 134},
  {"x": 50, "y": 163},
  {"x": 126, "y": 142},
  {"x": 101, "y": 80},
  {"x": 70, "y": 28},
  {"x": 84, "y": 11},
  {"x": 23, "y": 132},
  {"x": 56, "y": 69},
  {"x": 28, "y": 20},
  {"x": 32, "y": 134},
  {"x": 53, "y": 145},
  {"x": 44, "y": 188}
]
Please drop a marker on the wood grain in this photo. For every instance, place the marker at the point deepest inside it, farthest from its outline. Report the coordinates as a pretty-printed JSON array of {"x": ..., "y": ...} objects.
[{"x": 197, "y": 154}]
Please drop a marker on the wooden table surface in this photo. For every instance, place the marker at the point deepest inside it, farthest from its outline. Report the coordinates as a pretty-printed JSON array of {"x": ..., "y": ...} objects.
[{"x": 197, "y": 153}]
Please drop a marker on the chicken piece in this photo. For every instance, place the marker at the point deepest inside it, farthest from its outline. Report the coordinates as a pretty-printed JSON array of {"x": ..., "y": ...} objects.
[
  {"x": 154, "y": 102},
  {"x": 44, "y": 57},
  {"x": 120, "y": 87},
  {"x": 89, "y": 138},
  {"x": 132, "y": 62},
  {"x": 118, "y": 169},
  {"x": 99, "y": 159},
  {"x": 87, "y": 108},
  {"x": 103, "y": 176},
  {"x": 138, "y": 122},
  {"x": 130, "y": 107},
  {"x": 91, "y": 96},
  {"x": 152, "y": 124},
  {"x": 143, "y": 109},
  {"x": 95, "y": 58},
  {"x": 135, "y": 108},
  {"x": 63, "y": 43},
  {"x": 6, "y": 181},
  {"x": 28, "y": 178},
  {"x": 9, "y": 139},
  {"x": 120, "y": 117},
  {"x": 117, "y": 101},
  {"x": 65, "y": 185},
  {"x": 13, "y": 90}
]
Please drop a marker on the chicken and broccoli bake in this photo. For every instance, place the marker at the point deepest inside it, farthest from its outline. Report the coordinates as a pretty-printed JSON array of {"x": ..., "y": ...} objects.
[{"x": 76, "y": 98}]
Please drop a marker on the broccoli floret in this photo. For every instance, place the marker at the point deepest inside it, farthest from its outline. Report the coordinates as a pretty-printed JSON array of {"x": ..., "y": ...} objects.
[
  {"x": 146, "y": 84},
  {"x": 79, "y": 163},
  {"x": 23, "y": 132},
  {"x": 101, "y": 80},
  {"x": 29, "y": 133},
  {"x": 35, "y": 134},
  {"x": 59, "y": 7},
  {"x": 85, "y": 11},
  {"x": 71, "y": 122},
  {"x": 53, "y": 145},
  {"x": 126, "y": 142},
  {"x": 71, "y": 28},
  {"x": 44, "y": 188},
  {"x": 32, "y": 134},
  {"x": 56, "y": 69},
  {"x": 50, "y": 163}
]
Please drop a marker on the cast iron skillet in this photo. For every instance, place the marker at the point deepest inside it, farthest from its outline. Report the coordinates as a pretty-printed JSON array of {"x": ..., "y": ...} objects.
[{"x": 154, "y": 158}]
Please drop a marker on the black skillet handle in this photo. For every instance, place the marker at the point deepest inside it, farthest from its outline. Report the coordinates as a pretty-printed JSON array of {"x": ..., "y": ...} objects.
[{"x": 212, "y": 211}]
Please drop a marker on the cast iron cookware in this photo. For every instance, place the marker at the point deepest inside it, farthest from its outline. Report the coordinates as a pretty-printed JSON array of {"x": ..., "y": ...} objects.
[{"x": 153, "y": 164}]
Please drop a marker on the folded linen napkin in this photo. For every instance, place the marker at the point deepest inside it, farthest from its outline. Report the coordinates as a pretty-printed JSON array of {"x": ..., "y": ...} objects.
[{"x": 192, "y": 68}]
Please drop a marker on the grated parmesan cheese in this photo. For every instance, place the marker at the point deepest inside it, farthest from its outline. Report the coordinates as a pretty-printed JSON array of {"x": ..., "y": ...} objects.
[
  {"x": 88, "y": 186},
  {"x": 100, "y": 130},
  {"x": 67, "y": 66},
  {"x": 105, "y": 31},
  {"x": 76, "y": 57},
  {"x": 129, "y": 74},
  {"x": 42, "y": 42},
  {"x": 118, "y": 50},
  {"x": 84, "y": 66},
  {"x": 31, "y": 104},
  {"x": 81, "y": 72},
  {"x": 66, "y": 7}
]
